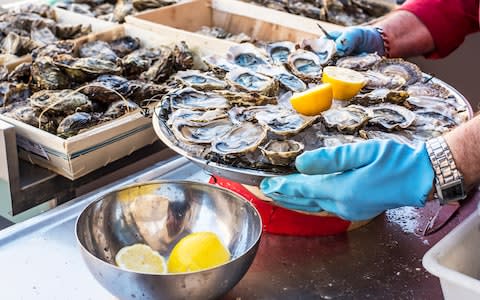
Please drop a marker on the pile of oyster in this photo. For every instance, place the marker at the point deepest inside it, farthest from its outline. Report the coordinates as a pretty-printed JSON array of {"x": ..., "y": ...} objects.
[
  {"x": 220, "y": 33},
  {"x": 29, "y": 26},
  {"x": 112, "y": 10},
  {"x": 238, "y": 112},
  {"x": 341, "y": 12},
  {"x": 69, "y": 88}
]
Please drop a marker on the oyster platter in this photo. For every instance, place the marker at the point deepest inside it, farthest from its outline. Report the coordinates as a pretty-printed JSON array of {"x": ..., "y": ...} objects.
[{"x": 235, "y": 119}]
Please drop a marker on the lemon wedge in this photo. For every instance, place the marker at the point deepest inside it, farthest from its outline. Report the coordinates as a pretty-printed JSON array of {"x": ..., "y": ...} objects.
[
  {"x": 197, "y": 251},
  {"x": 141, "y": 258},
  {"x": 313, "y": 101},
  {"x": 345, "y": 83}
]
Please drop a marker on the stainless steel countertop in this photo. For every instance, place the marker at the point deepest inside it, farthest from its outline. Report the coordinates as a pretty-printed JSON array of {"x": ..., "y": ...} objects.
[{"x": 39, "y": 258}]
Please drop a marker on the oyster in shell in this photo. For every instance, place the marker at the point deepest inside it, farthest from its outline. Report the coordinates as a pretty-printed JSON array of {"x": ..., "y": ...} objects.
[
  {"x": 279, "y": 51},
  {"x": 200, "y": 132},
  {"x": 119, "y": 108},
  {"x": 218, "y": 65},
  {"x": 140, "y": 60},
  {"x": 325, "y": 49},
  {"x": 427, "y": 89},
  {"x": 183, "y": 56},
  {"x": 104, "y": 87},
  {"x": 57, "y": 48},
  {"x": 239, "y": 114},
  {"x": 391, "y": 116},
  {"x": 285, "y": 122},
  {"x": 125, "y": 45},
  {"x": 286, "y": 79},
  {"x": 247, "y": 55},
  {"x": 377, "y": 80},
  {"x": 72, "y": 31},
  {"x": 378, "y": 96},
  {"x": 347, "y": 119},
  {"x": 246, "y": 99},
  {"x": 199, "y": 80},
  {"x": 248, "y": 81},
  {"x": 360, "y": 62},
  {"x": 162, "y": 68},
  {"x": 196, "y": 116},
  {"x": 195, "y": 100},
  {"x": 403, "y": 137},
  {"x": 73, "y": 123},
  {"x": 30, "y": 115},
  {"x": 46, "y": 75},
  {"x": 21, "y": 73},
  {"x": 99, "y": 49},
  {"x": 92, "y": 66},
  {"x": 242, "y": 138},
  {"x": 305, "y": 65},
  {"x": 401, "y": 68},
  {"x": 63, "y": 102},
  {"x": 282, "y": 153},
  {"x": 11, "y": 92}
]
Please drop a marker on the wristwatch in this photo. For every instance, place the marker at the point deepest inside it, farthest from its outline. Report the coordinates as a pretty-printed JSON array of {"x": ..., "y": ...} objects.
[{"x": 448, "y": 179}]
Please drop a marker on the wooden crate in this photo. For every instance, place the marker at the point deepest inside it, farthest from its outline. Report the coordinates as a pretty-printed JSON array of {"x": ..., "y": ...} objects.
[
  {"x": 234, "y": 16},
  {"x": 81, "y": 154}
]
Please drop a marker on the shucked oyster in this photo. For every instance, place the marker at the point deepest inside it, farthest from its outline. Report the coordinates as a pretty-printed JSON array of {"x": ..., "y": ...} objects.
[
  {"x": 239, "y": 114},
  {"x": 200, "y": 132},
  {"x": 279, "y": 51},
  {"x": 378, "y": 96},
  {"x": 282, "y": 153},
  {"x": 325, "y": 49},
  {"x": 399, "y": 67},
  {"x": 246, "y": 99},
  {"x": 377, "y": 80},
  {"x": 285, "y": 122},
  {"x": 247, "y": 55},
  {"x": 196, "y": 116},
  {"x": 286, "y": 79},
  {"x": 427, "y": 89},
  {"x": 242, "y": 138},
  {"x": 305, "y": 65},
  {"x": 346, "y": 119},
  {"x": 248, "y": 81},
  {"x": 360, "y": 62},
  {"x": 192, "y": 99},
  {"x": 218, "y": 65},
  {"x": 391, "y": 116},
  {"x": 199, "y": 80}
]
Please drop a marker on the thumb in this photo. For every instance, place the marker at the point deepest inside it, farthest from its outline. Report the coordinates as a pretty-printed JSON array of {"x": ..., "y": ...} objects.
[{"x": 338, "y": 159}]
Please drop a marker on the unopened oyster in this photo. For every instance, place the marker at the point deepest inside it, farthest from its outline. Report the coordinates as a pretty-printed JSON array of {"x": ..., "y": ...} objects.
[
  {"x": 360, "y": 62},
  {"x": 71, "y": 31},
  {"x": 119, "y": 108},
  {"x": 46, "y": 75},
  {"x": 305, "y": 65},
  {"x": 427, "y": 89},
  {"x": 378, "y": 96},
  {"x": 73, "y": 123},
  {"x": 183, "y": 56},
  {"x": 285, "y": 122},
  {"x": 106, "y": 88},
  {"x": 286, "y": 79},
  {"x": 391, "y": 116},
  {"x": 199, "y": 80},
  {"x": 377, "y": 80},
  {"x": 125, "y": 45},
  {"x": 64, "y": 102},
  {"x": 162, "y": 68},
  {"x": 401, "y": 68},
  {"x": 57, "y": 48},
  {"x": 140, "y": 60},
  {"x": 346, "y": 119},
  {"x": 242, "y": 138},
  {"x": 282, "y": 153},
  {"x": 325, "y": 49},
  {"x": 31, "y": 116},
  {"x": 196, "y": 100},
  {"x": 93, "y": 66},
  {"x": 247, "y": 55},
  {"x": 99, "y": 49},
  {"x": 248, "y": 81},
  {"x": 21, "y": 73},
  {"x": 200, "y": 132},
  {"x": 279, "y": 51},
  {"x": 13, "y": 92}
]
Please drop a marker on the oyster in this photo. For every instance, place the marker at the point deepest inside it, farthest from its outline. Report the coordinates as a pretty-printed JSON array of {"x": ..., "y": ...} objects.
[
  {"x": 305, "y": 65},
  {"x": 196, "y": 115},
  {"x": 347, "y": 119},
  {"x": 183, "y": 56},
  {"x": 41, "y": 34},
  {"x": 377, "y": 80},
  {"x": 399, "y": 67},
  {"x": 279, "y": 51},
  {"x": 59, "y": 47},
  {"x": 286, "y": 79},
  {"x": 17, "y": 45},
  {"x": 3, "y": 73},
  {"x": 378, "y": 96},
  {"x": 64, "y": 102},
  {"x": 333, "y": 140},
  {"x": 325, "y": 49},
  {"x": 248, "y": 81},
  {"x": 150, "y": 4},
  {"x": 200, "y": 132},
  {"x": 239, "y": 114},
  {"x": 403, "y": 137},
  {"x": 46, "y": 75},
  {"x": 13, "y": 92},
  {"x": 361, "y": 62},
  {"x": 98, "y": 49},
  {"x": 246, "y": 99},
  {"x": 95, "y": 66},
  {"x": 200, "y": 81},
  {"x": 140, "y": 90},
  {"x": 285, "y": 122},
  {"x": 125, "y": 45},
  {"x": 391, "y": 116},
  {"x": 242, "y": 138},
  {"x": 192, "y": 99},
  {"x": 247, "y": 55},
  {"x": 218, "y": 65},
  {"x": 73, "y": 123},
  {"x": 282, "y": 153},
  {"x": 119, "y": 108},
  {"x": 105, "y": 88},
  {"x": 30, "y": 115},
  {"x": 21, "y": 73},
  {"x": 427, "y": 89},
  {"x": 140, "y": 60},
  {"x": 72, "y": 31},
  {"x": 162, "y": 68}
]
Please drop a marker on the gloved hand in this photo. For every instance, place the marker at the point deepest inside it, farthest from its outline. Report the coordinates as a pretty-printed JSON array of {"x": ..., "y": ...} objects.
[
  {"x": 355, "y": 181},
  {"x": 359, "y": 39}
]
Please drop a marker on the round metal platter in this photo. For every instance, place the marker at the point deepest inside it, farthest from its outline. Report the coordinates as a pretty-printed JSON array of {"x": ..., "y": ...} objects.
[{"x": 251, "y": 176}]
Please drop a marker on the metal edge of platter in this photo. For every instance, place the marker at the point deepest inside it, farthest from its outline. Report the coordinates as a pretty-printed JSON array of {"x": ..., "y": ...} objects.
[{"x": 250, "y": 176}]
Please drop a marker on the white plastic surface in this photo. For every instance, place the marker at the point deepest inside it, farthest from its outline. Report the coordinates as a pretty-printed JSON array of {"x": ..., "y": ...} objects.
[{"x": 455, "y": 259}]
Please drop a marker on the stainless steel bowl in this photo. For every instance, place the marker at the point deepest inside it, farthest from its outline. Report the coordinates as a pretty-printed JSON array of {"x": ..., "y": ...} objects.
[{"x": 159, "y": 214}]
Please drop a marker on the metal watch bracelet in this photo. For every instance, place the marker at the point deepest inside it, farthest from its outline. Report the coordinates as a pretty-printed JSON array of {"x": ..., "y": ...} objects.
[{"x": 448, "y": 179}]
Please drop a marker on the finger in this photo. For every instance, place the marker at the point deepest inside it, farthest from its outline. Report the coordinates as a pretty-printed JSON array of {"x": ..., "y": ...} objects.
[
  {"x": 334, "y": 34},
  {"x": 347, "y": 42},
  {"x": 296, "y": 203},
  {"x": 338, "y": 159}
]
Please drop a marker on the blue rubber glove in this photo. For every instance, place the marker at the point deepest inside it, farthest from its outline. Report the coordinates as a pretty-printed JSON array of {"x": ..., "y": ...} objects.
[
  {"x": 356, "y": 40},
  {"x": 355, "y": 181}
]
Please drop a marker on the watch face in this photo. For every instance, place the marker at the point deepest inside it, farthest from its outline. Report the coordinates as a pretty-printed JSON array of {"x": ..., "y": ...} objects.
[{"x": 452, "y": 191}]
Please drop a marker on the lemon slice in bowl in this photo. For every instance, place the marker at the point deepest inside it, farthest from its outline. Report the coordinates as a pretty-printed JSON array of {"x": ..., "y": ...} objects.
[
  {"x": 346, "y": 83},
  {"x": 313, "y": 101},
  {"x": 141, "y": 258},
  {"x": 197, "y": 251}
]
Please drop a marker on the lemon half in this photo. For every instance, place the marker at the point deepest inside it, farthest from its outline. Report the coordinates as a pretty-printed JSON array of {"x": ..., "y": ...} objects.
[
  {"x": 313, "y": 101},
  {"x": 197, "y": 251},
  {"x": 141, "y": 258},
  {"x": 345, "y": 83}
]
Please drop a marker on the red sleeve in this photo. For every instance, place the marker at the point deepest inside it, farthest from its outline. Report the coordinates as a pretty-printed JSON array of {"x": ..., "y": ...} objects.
[{"x": 449, "y": 21}]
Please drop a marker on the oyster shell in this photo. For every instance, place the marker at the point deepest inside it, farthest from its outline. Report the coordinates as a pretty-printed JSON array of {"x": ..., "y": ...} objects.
[
  {"x": 21, "y": 73},
  {"x": 285, "y": 122},
  {"x": 242, "y": 138},
  {"x": 183, "y": 56},
  {"x": 247, "y": 55},
  {"x": 150, "y": 4},
  {"x": 162, "y": 68},
  {"x": 64, "y": 102},
  {"x": 199, "y": 80},
  {"x": 248, "y": 81},
  {"x": 101, "y": 88},
  {"x": 46, "y": 75},
  {"x": 427, "y": 89},
  {"x": 72, "y": 31},
  {"x": 399, "y": 67},
  {"x": 17, "y": 45},
  {"x": 305, "y": 65},
  {"x": 57, "y": 48},
  {"x": 325, "y": 49},
  {"x": 391, "y": 116},
  {"x": 218, "y": 65},
  {"x": 119, "y": 108},
  {"x": 200, "y": 132},
  {"x": 99, "y": 49},
  {"x": 239, "y": 114},
  {"x": 140, "y": 60},
  {"x": 361, "y": 62},
  {"x": 195, "y": 100},
  {"x": 286, "y": 79},
  {"x": 125, "y": 45},
  {"x": 378, "y": 96},
  {"x": 403, "y": 137},
  {"x": 282, "y": 153},
  {"x": 246, "y": 99},
  {"x": 196, "y": 115},
  {"x": 73, "y": 123},
  {"x": 377, "y": 80},
  {"x": 94, "y": 66},
  {"x": 347, "y": 119},
  {"x": 30, "y": 115},
  {"x": 279, "y": 51},
  {"x": 13, "y": 92}
]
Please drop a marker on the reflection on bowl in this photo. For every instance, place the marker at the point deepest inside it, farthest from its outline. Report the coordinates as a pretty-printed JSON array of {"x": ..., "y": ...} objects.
[{"x": 160, "y": 214}]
